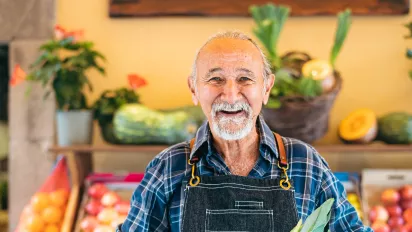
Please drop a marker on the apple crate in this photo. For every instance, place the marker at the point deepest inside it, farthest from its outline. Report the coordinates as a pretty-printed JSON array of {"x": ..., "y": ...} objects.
[
  {"x": 95, "y": 185},
  {"x": 387, "y": 195}
]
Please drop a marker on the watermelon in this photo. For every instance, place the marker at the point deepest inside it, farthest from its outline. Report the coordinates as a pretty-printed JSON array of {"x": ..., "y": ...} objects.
[
  {"x": 395, "y": 128},
  {"x": 136, "y": 124}
]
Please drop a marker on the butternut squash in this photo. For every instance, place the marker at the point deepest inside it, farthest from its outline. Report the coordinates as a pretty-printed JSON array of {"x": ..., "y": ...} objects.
[{"x": 359, "y": 127}]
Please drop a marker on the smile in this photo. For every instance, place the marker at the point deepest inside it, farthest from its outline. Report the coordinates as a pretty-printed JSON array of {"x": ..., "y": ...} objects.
[{"x": 227, "y": 113}]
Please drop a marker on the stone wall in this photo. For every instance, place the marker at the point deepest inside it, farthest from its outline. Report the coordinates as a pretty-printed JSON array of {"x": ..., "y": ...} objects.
[{"x": 25, "y": 24}]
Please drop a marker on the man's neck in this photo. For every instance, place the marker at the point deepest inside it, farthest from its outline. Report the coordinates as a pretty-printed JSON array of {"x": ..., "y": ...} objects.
[{"x": 239, "y": 155}]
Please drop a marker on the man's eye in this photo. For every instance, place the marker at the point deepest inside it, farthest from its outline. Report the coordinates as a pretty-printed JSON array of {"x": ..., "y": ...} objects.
[
  {"x": 215, "y": 79},
  {"x": 244, "y": 79}
]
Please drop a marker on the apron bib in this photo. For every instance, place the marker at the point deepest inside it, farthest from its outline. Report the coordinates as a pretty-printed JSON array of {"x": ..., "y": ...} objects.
[{"x": 237, "y": 203}]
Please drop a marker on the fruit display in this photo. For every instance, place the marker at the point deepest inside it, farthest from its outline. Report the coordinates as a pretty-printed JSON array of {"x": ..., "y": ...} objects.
[
  {"x": 395, "y": 128},
  {"x": 137, "y": 124},
  {"x": 45, "y": 212},
  {"x": 363, "y": 126},
  {"x": 104, "y": 207},
  {"x": 360, "y": 127},
  {"x": 394, "y": 210}
]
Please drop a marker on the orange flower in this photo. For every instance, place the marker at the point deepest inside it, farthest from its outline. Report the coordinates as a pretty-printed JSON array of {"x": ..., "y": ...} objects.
[
  {"x": 77, "y": 35},
  {"x": 136, "y": 81},
  {"x": 18, "y": 76},
  {"x": 61, "y": 33}
]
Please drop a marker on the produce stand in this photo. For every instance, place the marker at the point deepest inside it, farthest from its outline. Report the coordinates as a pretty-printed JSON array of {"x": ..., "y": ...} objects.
[{"x": 80, "y": 163}]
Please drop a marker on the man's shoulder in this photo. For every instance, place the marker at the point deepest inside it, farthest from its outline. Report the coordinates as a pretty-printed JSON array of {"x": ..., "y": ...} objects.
[
  {"x": 300, "y": 151},
  {"x": 171, "y": 159}
]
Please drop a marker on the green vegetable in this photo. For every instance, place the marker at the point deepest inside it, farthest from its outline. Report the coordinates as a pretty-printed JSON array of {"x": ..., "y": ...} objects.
[
  {"x": 269, "y": 21},
  {"x": 318, "y": 220},
  {"x": 138, "y": 124},
  {"x": 395, "y": 128},
  {"x": 344, "y": 23}
]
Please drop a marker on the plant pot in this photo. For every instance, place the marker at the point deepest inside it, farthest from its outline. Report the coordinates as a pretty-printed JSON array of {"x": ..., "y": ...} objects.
[
  {"x": 74, "y": 127},
  {"x": 306, "y": 120}
]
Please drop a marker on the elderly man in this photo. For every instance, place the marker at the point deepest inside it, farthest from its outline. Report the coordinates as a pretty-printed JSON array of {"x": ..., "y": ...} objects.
[{"x": 236, "y": 174}]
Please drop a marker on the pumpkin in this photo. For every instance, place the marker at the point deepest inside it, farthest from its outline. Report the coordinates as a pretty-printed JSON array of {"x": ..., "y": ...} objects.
[{"x": 359, "y": 127}]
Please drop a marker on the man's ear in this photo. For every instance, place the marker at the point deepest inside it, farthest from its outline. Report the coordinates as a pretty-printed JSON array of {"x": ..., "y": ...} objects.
[
  {"x": 268, "y": 87},
  {"x": 190, "y": 83}
]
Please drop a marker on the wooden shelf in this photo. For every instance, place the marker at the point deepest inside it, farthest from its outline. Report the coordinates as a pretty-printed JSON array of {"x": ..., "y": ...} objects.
[{"x": 338, "y": 148}]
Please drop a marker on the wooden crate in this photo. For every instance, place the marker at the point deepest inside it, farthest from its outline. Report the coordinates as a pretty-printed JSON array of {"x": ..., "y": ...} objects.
[
  {"x": 71, "y": 210},
  {"x": 375, "y": 181}
]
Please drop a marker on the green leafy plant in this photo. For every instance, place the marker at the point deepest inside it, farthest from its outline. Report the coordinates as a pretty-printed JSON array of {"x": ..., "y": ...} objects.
[
  {"x": 110, "y": 100},
  {"x": 290, "y": 81},
  {"x": 62, "y": 65},
  {"x": 317, "y": 220},
  {"x": 344, "y": 23}
]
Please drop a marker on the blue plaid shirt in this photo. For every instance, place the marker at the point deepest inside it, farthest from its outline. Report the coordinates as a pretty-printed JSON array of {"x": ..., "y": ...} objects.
[{"x": 157, "y": 203}]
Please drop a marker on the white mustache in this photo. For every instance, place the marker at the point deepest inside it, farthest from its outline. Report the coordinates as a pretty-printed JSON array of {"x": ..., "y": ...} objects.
[{"x": 225, "y": 106}]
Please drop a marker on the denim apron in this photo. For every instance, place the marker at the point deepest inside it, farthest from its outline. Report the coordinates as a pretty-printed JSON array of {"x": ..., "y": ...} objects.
[{"x": 237, "y": 203}]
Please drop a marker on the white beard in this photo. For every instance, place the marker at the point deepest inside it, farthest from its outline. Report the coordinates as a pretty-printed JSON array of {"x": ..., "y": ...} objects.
[{"x": 221, "y": 125}]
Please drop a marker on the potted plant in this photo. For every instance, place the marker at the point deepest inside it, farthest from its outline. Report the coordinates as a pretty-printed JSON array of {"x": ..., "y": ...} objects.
[
  {"x": 62, "y": 68},
  {"x": 111, "y": 100},
  {"x": 305, "y": 88}
]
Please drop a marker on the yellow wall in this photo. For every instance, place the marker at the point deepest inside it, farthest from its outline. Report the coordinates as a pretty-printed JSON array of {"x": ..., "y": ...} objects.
[{"x": 372, "y": 61}]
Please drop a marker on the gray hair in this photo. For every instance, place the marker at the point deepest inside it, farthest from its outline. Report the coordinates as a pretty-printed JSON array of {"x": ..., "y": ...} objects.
[{"x": 234, "y": 35}]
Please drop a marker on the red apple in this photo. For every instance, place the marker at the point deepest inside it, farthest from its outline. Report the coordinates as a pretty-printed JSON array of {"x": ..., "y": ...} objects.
[
  {"x": 122, "y": 207},
  {"x": 378, "y": 213},
  {"x": 395, "y": 222},
  {"x": 406, "y": 192},
  {"x": 97, "y": 190},
  {"x": 390, "y": 197},
  {"x": 107, "y": 215},
  {"x": 406, "y": 228},
  {"x": 109, "y": 199},
  {"x": 407, "y": 215},
  {"x": 380, "y": 226},
  {"x": 93, "y": 207},
  {"x": 88, "y": 224},
  {"x": 394, "y": 210},
  {"x": 406, "y": 204}
]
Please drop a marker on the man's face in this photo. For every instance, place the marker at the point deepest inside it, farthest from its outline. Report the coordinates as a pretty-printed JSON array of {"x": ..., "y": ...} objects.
[{"x": 230, "y": 86}]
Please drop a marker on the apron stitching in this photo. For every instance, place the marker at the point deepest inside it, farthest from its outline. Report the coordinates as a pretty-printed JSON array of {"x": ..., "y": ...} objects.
[
  {"x": 236, "y": 184},
  {"x": 223, "y": 187}
]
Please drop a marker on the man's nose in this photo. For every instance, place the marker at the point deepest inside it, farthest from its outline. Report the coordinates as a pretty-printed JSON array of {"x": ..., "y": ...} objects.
[{"x": 231, "y": 92}]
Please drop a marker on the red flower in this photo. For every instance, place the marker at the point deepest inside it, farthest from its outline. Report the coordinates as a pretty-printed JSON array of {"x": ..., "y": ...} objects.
[
  {"x": 136, "y": 81},
  {"x": 61, "y": 33},
  {"x": 18, "y": 76}
]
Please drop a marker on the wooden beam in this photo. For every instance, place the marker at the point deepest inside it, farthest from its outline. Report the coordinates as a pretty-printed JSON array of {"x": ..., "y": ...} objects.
[{"x": 144, "y": 8}]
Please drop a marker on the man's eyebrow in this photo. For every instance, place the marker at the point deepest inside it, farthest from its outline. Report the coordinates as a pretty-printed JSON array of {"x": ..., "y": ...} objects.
[
  {"x": 212, "y": 70},
  {"x": 246, "y": 71}
]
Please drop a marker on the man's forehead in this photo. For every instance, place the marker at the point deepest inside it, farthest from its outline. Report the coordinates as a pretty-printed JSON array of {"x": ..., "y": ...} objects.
[
  {"x": 227, "y": 46},
  {"x": 229, "y": 50}
]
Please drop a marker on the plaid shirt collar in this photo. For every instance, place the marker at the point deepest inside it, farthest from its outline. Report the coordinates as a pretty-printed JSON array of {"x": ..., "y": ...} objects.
[{"x": 204, "y": 143}]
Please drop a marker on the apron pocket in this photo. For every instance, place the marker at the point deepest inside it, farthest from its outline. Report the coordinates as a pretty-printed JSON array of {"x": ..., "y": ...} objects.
[{"x": 239, "y": 220}]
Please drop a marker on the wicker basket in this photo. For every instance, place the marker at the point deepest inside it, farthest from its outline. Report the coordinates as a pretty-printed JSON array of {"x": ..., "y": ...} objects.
[{"x": 306, "y": 120}]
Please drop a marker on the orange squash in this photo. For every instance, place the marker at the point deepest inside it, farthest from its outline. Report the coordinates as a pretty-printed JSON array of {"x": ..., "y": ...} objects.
[{"x": 359, "y": 127}]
